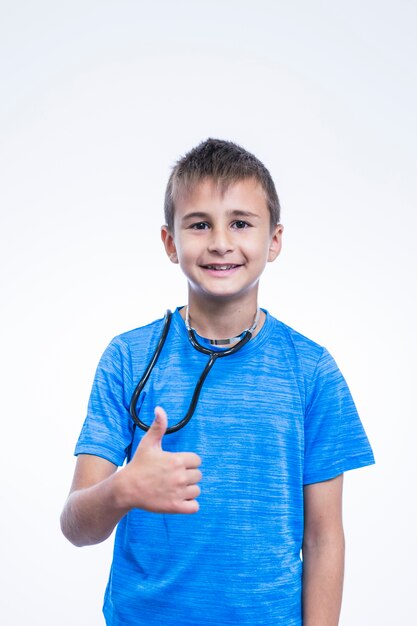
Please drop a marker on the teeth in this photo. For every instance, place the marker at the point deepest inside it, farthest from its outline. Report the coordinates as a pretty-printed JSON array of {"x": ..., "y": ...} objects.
[{"x": 220, "y": 267}]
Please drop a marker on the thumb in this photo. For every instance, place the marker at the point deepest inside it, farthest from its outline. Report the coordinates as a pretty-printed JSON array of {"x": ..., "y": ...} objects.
[{"x": 158, "y": 427}]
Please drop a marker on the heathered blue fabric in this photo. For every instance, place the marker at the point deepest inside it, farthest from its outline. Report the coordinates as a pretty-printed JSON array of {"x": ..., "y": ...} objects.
[{"x": 271, "y": 418}]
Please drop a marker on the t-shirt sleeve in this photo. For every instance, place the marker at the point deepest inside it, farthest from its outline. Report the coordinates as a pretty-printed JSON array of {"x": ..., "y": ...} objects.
[
  {"x": 335, "y": 440},
  {"x": 108, "y": 428}
]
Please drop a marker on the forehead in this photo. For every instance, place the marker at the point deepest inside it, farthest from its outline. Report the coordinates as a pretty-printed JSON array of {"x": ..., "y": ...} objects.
[{"x": 209, "y": 195}]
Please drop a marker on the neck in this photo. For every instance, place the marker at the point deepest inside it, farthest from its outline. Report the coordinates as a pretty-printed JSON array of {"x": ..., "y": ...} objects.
[
  {"x": 227, "y": 341},
  {"x": 216, "y": 320}
]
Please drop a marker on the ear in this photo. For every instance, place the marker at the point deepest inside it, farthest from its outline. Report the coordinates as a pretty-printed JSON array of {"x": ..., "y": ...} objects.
[
  {"x": 275, "y": 243},
  {"x": 169, "y": 243}
]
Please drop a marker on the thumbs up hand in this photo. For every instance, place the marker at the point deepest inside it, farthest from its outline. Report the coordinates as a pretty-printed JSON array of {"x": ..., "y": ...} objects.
[{"x": 159, "y": 481}]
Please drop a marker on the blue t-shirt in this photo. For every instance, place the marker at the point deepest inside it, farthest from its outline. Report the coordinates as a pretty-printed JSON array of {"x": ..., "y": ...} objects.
[{"x": 271, "y": 418}]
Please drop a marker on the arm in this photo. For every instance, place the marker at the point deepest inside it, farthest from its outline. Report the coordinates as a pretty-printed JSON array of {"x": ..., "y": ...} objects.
[
  {"x": 323, "y": 553},
  {"x": 154, "y": 480},
  {"x": 93, "y": 508}
]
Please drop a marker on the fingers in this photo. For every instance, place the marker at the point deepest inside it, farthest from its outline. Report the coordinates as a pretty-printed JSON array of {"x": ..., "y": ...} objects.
[
  {"x": 160, "y": 423},
  {"x": 190, "y": 460},
  {"x": 193, "y": 477},
  {"x": 188, "y": 507},
  {"x": 157, "y": 429},
  {"x": 189, "y": 504},
  {"x": 191, "y": 492}
]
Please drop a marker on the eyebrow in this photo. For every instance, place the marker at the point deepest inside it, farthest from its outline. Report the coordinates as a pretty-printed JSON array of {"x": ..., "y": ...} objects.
[{"x": 232, "y": 213}]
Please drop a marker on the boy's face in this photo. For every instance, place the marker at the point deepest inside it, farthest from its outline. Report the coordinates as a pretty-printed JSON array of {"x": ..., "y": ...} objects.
[{"x": 223, "y": 241}]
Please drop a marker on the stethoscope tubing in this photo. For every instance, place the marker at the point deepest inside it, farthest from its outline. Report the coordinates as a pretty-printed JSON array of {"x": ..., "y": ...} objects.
[
  {"x": 147, "y": 372},
  {"x": 213, "y": 354}
]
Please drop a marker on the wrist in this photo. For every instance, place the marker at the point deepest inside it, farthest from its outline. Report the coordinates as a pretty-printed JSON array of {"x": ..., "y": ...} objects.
[{"x": 120, "y": 492}]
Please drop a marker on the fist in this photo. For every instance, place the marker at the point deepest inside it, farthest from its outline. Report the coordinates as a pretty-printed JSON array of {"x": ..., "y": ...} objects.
[{"x": 159, "y": 481}]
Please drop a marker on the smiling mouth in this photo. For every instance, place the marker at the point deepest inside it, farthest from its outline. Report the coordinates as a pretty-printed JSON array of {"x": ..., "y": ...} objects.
[{"x": 220, "y": 268}]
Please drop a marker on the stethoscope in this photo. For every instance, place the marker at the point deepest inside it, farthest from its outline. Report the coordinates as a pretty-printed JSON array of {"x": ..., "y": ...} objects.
[{"x": 213, "y": 354}]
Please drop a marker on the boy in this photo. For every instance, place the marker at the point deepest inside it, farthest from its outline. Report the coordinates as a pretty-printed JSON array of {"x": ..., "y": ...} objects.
[{"x": 274, "y": 428}]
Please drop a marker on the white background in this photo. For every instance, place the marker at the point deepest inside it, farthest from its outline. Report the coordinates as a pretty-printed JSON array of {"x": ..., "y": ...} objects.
[{"x": 98, "y": 100}]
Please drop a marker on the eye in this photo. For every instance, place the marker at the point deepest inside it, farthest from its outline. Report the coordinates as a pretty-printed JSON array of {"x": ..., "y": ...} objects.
[
  {"x": 199, "y": 226},
  {"x": 239, "y": 224}
]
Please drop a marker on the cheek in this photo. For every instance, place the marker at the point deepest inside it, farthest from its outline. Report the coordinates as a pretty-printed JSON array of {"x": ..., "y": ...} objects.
[
  {"x": 258, "y": 250},
  {"x": 187, "y": 251}
]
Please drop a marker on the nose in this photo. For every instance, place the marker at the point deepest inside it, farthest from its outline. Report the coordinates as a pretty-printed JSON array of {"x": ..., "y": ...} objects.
[{"x": 221, "y": 241}]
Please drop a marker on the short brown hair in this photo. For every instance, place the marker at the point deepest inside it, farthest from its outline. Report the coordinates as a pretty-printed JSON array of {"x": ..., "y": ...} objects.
[{"x": 226, "y": 163}]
